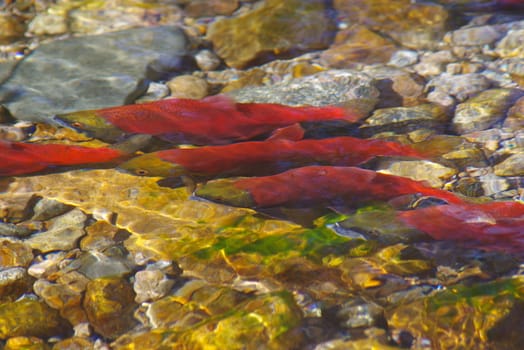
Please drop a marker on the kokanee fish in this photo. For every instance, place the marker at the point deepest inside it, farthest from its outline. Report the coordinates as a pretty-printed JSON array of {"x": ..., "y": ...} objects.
[
  {"x": 212, "y": 120},
  {"x": 262, "y": 157},
  {"x": 494, "y": 225},
  {"x": 316, "y": 185},
  {"x": 18, "y": 158}
]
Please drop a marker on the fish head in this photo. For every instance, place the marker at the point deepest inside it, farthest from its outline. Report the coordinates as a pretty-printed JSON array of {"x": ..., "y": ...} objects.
[
  {"x": 152, "y": 165},
  {"x": 90, "y": 123}
]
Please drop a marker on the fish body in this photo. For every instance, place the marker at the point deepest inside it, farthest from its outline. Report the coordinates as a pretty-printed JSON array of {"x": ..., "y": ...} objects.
[
  {"x": 494, "y": 225},
  {"x": 316, "y": 184},
  {"x": 262, "y": 157},
  {"x": 17, "y": 158},
  {"x": 212, "y": 120}
]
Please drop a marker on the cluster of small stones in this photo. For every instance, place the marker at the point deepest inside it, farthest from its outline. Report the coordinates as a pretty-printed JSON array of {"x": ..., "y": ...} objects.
[{"x": 68, "y": 279}]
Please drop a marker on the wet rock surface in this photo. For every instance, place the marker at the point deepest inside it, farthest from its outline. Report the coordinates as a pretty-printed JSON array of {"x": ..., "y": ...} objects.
[
  {"x": 99, "y": 258},
  {"x": 81, "y": 73},
  {"x": 274, "y": 27}
]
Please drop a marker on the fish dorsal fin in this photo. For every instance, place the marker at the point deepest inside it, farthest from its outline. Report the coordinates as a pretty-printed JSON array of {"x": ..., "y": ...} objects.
[
  {"x": 220, "y": 101},
  {"x": 293, "y": 132}
]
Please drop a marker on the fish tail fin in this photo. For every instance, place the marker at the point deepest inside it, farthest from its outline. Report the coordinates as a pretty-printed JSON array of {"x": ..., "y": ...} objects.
[{"x": 294, "y": 132}]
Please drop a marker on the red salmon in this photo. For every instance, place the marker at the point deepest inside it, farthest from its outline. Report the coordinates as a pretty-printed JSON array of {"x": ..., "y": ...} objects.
[
  {"x": 212, "y": 120},
  {"x": 316, "y": 184},
  {"x": 494, "y": 225},
  {"x": 263, "y": 157},
  {"x": 18, "y": 158}
]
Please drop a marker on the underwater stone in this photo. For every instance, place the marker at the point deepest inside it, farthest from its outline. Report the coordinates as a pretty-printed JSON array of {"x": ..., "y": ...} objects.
[
  {"x": 14, "y": 253},
  {"x": 276, "y": 27},
  {"x": 195, "y": 301},
  {"x": 209, "y": 8},
  {"x": 207, "y": 60},
  {"x": 459, "y": 317},
  {"x": 109, "y": 304},
  {"x": 62, "y": 234},
  {"x": 151, "y": 285},
  {"x": 413, "y": 25},
  {"x": 404, "y": 119},
  {"x": 512, "y": 166},
  {"x": 461, "y": 86},
  {"x": 433, "y": 173},
  {"x": 46, "y": 209},
  {"x": 29, "y": 317},
  {"x": 359, "y": 313},
  {"x": 79, "y": 73},
  {"x": 268, "y": 321},
  {"x": 11, "y": 28},
  {"x": 473, "y": 36},
  {"x": 350, "y": 88},
  {"x": 357, "y": 45},
  {"x": 188, "y": 86},
  {"x": 25, "y": 343},
  {"x": 63, "y": 298},
  {"x": 96, "y": 17},
  {"x": 512, "y": 45},
  {"x": 403, "y": 58},
  {"x": 484, "y": 110},
  {"x": 14, "y": 282},
  {"x": 515, "y": 119}
]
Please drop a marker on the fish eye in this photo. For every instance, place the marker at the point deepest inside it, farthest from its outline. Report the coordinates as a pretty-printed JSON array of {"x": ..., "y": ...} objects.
[
  {"x": 141, "y": 172},
  {"x": 77, "y": 125}
]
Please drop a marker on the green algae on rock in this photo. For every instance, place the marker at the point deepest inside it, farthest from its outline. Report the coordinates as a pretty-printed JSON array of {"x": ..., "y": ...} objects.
[
  {"x": 380, "y": 223},
  {"x": 268, "y": 321},
  {"x": 461, "y": 316},
  {"x": 27, "y": 317},
  {"x": 194, "y": 302},
  {"x": 278, "y": 27}
]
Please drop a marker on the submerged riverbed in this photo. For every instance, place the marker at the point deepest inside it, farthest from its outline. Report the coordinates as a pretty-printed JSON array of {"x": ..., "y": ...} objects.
[{"x": 155, "y": 254}]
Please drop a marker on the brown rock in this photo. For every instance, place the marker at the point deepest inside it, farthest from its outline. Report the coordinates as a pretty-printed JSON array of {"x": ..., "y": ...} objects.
[
  {"x": 14, "y": 282},
  {"x": 11, "y": 28},
  {"x": 414, "y": 25},
  {"x": 14, "y": 253},
  {"x": 25, "y": 343},
  {"x": 29, "y": 317},
  {"x": 277, "y": 27},
  {"x": 109, "y": 304},
  {"x": 208, "y": 8},
  {"x": 188, "y": 86},
  {"x": 515, "y": 119},
  {"x": 355, "y": 45}
]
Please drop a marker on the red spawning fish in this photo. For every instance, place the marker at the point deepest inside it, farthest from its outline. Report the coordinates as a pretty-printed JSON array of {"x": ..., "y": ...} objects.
[
  {"x": 212, "y": 120},
  {"x": 18, "y": 158},
  {"x": 492, "y": 226},
  {"x": 262, "y": 157},
  {"x": 316, "y": 184}
]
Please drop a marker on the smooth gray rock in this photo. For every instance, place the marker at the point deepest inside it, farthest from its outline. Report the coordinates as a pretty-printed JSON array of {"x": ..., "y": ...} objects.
[
  {"x": 91, "y": 72},
  {"x": 5, "y": 70}
]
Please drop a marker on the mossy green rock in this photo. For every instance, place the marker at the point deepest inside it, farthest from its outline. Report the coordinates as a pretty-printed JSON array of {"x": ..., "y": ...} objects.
[
  {"x": 276, "y": 27},
  {"x": 462, "y": 317},
  {"x": 266, "y": 322},
  {"x": 29, "y": 317}
]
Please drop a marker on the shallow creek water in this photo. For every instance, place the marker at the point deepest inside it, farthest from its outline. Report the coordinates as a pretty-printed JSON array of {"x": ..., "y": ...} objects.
[{"x": 397, "y": 225}]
